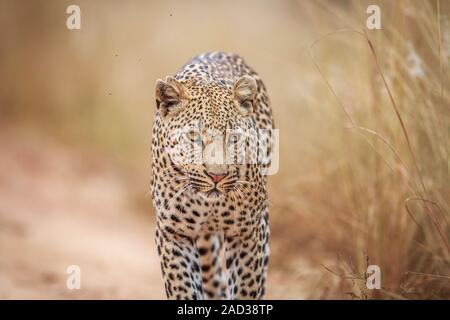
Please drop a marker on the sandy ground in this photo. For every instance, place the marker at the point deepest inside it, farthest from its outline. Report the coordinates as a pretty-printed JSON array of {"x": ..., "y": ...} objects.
[{"x": 61, "y": 207}]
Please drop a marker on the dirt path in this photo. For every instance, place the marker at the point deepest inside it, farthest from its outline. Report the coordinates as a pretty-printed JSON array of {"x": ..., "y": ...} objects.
[{"x": 59, "y": 209}]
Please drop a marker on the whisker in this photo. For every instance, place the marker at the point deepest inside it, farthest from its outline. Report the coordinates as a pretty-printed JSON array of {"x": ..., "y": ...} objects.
[
  {"x": 243, "y": 188},
  {"x": 172, "y": 175},
  {"x": 198, "y": 180},
  {"x": 244, "y": 182},
  {"x": 239, "y": 192},
  {"x": 202, "y": 185},
  {"x": 176, "y": 195},
  {"x": 226, "y": 184}
]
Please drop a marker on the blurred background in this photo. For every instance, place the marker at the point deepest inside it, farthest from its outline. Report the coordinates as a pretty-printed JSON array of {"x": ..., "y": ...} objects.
[{"x": 364, "y": 134}]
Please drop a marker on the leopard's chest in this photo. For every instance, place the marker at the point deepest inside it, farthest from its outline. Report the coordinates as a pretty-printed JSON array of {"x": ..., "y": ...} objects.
[{"x": 191, "y": 215}]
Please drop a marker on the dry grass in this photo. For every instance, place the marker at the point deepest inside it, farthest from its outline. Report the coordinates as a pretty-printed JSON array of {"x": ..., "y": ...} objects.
[
  {"x": 382, "y": 194},
  {"x": 363, "y": 115}
]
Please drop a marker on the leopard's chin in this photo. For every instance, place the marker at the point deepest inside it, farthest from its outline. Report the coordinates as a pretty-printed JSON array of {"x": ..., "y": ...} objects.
[{"x": 212, "y": 194}]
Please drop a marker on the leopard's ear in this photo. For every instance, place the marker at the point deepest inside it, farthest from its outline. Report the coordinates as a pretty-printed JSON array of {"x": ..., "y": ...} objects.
[
  {"x": 171, "y": 96},
  {"x": 244, "y": 92}
]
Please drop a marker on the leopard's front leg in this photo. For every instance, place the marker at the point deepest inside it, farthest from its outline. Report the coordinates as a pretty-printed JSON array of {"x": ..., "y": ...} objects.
[
  {"x": 247, "y": 258},
  {"x": 179, "y": 264}
]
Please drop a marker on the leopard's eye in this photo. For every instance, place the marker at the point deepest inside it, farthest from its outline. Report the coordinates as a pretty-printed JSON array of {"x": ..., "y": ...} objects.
[{"x": 194, "y": 136}]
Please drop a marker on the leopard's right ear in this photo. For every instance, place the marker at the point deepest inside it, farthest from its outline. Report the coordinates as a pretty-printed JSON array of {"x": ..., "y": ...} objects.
[
  {"x": 244, "y": 92},
  {"x": 171, "y": 96}
]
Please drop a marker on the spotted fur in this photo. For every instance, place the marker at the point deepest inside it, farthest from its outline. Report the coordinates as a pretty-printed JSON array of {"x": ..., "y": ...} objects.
[{"x": 212, "y": 237}]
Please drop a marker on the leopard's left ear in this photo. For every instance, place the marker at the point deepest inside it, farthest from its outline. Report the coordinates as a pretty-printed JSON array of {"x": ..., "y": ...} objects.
[
  {"x": 171, "y": 96},
  {"x": 244, "y": 92}
]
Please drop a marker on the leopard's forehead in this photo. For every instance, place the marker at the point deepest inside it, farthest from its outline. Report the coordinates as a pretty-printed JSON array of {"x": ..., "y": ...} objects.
[
  {"x": 210, "y": 106},
  {"x": 214, "y": 70}
]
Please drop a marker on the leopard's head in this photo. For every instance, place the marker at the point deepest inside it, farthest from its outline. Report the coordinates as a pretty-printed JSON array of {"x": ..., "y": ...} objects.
[{"x": 209, "y": 133}]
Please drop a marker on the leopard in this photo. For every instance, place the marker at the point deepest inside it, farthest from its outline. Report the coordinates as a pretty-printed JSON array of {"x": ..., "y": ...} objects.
[{"x": 211, "y": 200}]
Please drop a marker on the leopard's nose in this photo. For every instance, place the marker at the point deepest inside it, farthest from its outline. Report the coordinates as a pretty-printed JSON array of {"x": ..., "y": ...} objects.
[{"x": 216, "y": 177}]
